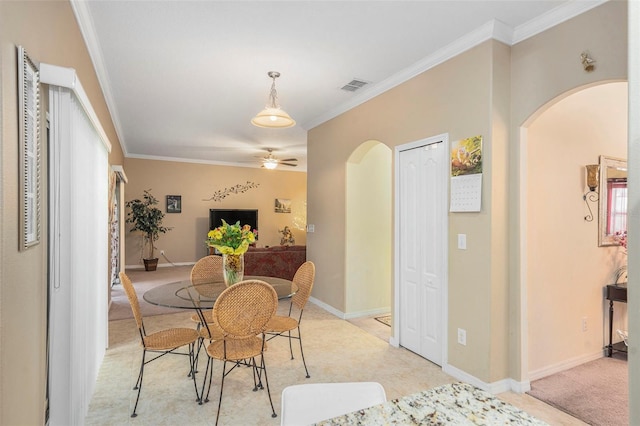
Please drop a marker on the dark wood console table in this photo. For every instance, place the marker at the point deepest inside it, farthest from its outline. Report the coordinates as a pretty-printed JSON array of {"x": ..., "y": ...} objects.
[{"x": 615, "y": 293}]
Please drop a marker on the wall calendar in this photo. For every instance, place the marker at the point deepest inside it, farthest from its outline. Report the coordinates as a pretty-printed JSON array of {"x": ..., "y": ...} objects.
[{"x": 466, "y": 175}]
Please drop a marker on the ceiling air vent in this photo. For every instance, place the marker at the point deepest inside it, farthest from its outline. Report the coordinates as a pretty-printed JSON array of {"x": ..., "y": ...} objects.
[{"x": 354, "y": 85}]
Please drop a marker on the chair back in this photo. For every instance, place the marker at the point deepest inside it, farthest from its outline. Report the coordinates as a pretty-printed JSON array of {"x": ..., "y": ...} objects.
[
  {"x": 133, "y": 299},
  {"x": 206, "y": 270},
  {"x": 243, "y": 309},
  {"x": 304, "y": 278}
]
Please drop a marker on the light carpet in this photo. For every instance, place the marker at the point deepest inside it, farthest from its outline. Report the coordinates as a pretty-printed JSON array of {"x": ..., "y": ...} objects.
[
  {"x": 335, "y": 350},
  {"x": 142, "y": 281},
  {"x": 596, "y": 392}
]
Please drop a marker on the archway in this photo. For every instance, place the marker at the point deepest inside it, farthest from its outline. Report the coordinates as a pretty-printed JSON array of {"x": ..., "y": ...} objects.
[
  {"x": 368, "y": 239},
  {"x": 563, "y": 269}
]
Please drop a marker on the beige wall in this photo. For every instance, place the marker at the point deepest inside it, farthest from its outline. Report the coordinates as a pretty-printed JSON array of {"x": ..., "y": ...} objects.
[
  {"x": 454, "y": 97},
  {"x": 48, "y": 32},
  {"x": 543, "y": 68},
  {"x": 490, "y": 90},
  {"x": 565, "y": 284},
  {"x": 196, "y": 183}
]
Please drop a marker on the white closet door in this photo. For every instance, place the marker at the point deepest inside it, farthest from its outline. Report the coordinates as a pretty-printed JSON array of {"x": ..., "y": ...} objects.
[{"x": 423, "y": 173}]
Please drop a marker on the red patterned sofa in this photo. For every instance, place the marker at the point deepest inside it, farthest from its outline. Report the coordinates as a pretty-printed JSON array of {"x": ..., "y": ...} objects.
[{"x": 277, "y": 261}]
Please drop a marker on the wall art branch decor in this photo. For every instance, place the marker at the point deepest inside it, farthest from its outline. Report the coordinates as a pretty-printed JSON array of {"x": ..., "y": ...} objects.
[
  {"x": 237, "y": 189},
  {"x": 29, "y": 110}
]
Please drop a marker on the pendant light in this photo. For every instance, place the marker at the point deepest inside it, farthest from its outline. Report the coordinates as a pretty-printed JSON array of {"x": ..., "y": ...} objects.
[{"x": 272, "y": 116}]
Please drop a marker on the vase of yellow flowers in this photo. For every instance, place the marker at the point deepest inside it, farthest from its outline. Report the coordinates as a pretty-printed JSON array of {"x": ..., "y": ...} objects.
[{"x": 233, "y": 242}]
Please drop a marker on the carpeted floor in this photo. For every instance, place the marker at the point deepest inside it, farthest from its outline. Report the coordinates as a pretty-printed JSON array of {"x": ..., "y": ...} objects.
[
  {"x": 143, "y": 281},
  {"x": 596, "y": 392}
]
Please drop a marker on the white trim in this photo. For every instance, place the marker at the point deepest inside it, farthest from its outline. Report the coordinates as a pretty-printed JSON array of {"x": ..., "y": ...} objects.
[
  {"x": 564, "y": 365},
  {"x": 161, "y": 265},
  {"x": 367, "y": 313},
  {"x": 494, "y": 388},
  {"x": 67, "y": 77},
  {"x": 256, "y": 165},
  {"x": 560, "y": 14},
  {"x": 495, "y": 29},
  {"x": 522, "y": 204},
  {"x": 87, "y": 29},
  {"x": 119, "y": 171},
  {"x": 327, "y": 308}
]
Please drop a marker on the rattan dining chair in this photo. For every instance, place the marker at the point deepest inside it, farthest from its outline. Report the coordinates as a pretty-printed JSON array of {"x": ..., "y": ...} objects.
[
  {"x": 163, "y": 342},
  {"x": 242, "y": 312},
  {"x": 206, "y": 270},
  {"x": 279, "y": 325}
]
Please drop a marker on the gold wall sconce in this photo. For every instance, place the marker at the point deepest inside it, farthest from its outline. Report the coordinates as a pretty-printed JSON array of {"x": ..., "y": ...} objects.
[
  {"x": 593, "y": 173},
  {"x": 588, "y": 63}
]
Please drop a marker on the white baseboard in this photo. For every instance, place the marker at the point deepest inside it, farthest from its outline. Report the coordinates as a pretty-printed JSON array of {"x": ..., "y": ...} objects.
[
  {"x": 161, "y": 265},
  {"x": 494, "y": 388},
  {"x": 351, "y": 315},
  {"x": 564, "y": 365},
  {"x": 327, "y": 308}
]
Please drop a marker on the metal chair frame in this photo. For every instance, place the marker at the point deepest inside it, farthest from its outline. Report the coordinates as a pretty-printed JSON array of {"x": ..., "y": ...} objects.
[{"x": 185, "y": 338}]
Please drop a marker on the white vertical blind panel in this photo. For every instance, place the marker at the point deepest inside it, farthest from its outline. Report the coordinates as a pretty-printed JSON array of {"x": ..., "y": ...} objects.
[{"x": 81, "y": 198}]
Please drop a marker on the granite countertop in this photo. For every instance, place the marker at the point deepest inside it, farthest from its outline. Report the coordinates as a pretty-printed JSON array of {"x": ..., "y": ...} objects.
[{"x": 453, "y": 404}]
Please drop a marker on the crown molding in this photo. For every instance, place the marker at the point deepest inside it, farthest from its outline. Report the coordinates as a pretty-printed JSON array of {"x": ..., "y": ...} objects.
[
  {"x": 495, "y": 29},
  {"x": 83, "y": 16}
]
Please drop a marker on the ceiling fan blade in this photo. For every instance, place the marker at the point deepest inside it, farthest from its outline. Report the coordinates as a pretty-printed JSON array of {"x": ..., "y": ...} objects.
[
  {"x": 289, "y": 159},
  {"x": 288, "y": 164}
]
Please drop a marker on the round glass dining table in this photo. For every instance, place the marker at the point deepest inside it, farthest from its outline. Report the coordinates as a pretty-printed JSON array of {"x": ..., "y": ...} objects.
[{"x": 185, "y": 295}]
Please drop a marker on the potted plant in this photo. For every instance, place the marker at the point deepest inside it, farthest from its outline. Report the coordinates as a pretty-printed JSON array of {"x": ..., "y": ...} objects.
[{"x": 147, "y": 218}]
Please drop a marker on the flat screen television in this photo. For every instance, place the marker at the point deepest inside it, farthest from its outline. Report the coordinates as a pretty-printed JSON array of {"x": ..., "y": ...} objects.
[{"x": 231, "y": 216}]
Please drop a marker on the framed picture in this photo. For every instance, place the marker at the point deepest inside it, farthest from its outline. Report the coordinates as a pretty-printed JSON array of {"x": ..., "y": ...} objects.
[
  {"x": 174, "y": 204},
  {"x": 283, "y": 205},
  {"x": 29, "y": 112}
]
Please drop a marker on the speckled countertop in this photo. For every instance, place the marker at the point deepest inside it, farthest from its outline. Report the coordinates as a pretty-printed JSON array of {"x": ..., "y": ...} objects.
[{"x": 454, "y": 404}]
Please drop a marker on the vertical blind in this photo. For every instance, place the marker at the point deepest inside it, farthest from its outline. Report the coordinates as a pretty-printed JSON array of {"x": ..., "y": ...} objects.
[{"x": 78, "y": 218}]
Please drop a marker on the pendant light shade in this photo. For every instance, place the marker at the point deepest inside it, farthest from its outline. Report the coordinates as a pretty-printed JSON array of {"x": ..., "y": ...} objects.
[{"x": 273, "y": 116}]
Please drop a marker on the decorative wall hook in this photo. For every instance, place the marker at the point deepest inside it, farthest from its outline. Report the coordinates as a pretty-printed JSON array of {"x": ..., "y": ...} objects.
[
  {"x": 587, "y": 62},
  {"x": 592, "y": 195}
]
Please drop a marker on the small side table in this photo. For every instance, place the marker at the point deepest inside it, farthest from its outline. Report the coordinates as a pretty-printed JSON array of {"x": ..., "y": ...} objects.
[{"x": 615, "y": 293}]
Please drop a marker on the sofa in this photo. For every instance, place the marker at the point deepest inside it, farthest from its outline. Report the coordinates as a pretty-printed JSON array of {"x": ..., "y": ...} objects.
[{"x": 277, "y": 261}]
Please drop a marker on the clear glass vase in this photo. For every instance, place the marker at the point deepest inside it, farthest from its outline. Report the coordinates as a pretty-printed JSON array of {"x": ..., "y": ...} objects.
[{"x": 232, "y": 268}]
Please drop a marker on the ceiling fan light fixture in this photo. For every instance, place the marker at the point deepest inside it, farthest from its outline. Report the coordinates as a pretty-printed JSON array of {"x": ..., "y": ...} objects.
[
  {"x": 270, "y": 163},
  {"x": 273, "y": 116}
]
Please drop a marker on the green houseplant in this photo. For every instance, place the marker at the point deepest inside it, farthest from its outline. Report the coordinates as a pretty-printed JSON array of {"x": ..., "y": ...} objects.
[{"x": 147, "y": 218}]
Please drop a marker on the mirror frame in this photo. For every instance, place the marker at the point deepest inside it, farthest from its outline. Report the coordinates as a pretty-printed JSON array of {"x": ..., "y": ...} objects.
[{"x": 605, "y": 240}]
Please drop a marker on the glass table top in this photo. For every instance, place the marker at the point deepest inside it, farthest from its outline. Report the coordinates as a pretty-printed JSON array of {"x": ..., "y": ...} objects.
[{"x": 185, "y": 295}]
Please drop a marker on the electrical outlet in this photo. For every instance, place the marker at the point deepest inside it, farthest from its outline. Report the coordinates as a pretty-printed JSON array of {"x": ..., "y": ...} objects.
[
  {"x": 162, "y": 252},
  {"x": 462, "y": 336},
  {"x": 584, "y": 324}
]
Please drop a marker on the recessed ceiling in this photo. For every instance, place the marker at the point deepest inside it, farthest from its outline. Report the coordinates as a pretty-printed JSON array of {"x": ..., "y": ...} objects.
[{"x": 183, "y": 79}]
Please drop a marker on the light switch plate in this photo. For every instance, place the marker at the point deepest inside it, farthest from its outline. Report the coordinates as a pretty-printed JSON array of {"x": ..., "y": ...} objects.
[{"x": 462, "y": 241}]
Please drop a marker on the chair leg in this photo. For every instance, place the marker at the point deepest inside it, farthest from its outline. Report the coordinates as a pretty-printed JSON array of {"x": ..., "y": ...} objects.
[
  {"x": 210, "y": 371},
  {"x": 224, "y": 367},
  {"x": 192, "y": 373},
  {"x": 302, "y": 352},
  {"x": 290, "y": 346},
  {"x": 263, "y": 367},
  {"x": 138, "y": 384}
]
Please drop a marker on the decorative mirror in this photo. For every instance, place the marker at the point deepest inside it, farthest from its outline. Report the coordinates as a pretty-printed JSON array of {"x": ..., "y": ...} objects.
[{"x": 613, "y": 200}]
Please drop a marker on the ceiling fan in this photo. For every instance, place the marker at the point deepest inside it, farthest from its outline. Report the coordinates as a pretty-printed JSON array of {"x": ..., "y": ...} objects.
[{"x": 271, "y": 162}]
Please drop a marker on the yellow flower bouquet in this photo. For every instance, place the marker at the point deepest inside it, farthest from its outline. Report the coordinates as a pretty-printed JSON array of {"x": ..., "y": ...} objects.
[{"x": 232, "y": 241}]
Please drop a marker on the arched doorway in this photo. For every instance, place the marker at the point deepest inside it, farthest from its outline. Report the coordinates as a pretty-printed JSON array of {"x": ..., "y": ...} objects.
[
  {"x": 564, "y": 270},
  {"x": 368, "y": 237}
]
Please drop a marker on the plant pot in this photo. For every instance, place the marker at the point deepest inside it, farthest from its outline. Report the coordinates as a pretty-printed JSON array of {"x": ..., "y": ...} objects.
[
  {"x": 232, "y": 268},
  {"x": 150, "y": 264}
]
